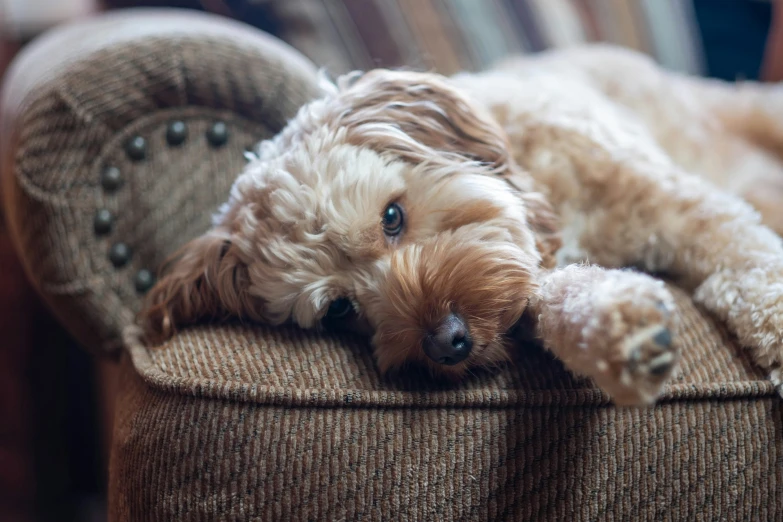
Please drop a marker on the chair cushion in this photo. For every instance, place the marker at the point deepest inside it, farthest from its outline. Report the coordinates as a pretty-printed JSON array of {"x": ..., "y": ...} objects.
[{"x": 282, "y": 424}]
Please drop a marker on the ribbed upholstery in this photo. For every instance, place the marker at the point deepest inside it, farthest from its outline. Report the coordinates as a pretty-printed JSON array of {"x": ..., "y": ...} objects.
[
  {"x": 291, "y": 366},
  {"x": 239, "y": 422}
]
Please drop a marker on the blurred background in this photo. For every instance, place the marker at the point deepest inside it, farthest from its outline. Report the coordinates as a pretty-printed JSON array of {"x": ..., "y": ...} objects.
[{"x": 55, "y": 400}]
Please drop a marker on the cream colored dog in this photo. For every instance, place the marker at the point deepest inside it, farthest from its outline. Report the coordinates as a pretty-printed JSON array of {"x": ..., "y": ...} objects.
[{"x": 440, "y": 213}]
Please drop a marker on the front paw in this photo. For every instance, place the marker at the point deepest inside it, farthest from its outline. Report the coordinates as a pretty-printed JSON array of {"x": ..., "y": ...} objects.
[{"x": 638, "y": 334}]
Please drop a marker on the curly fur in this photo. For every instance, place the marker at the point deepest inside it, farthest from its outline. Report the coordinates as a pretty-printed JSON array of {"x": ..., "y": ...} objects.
[{"x": 583, "y": 155}]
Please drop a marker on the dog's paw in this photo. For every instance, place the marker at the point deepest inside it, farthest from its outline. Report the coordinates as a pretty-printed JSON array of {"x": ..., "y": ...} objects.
[
  {"x": 640, "y": 349},
  {"x": 649, "y": 361}
]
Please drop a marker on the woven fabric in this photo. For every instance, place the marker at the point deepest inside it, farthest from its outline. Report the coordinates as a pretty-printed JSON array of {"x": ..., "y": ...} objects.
[
  {"x": 76, "y": 124},
  {"x": 292, "y": 366},
  {"x": 242, "y": 422}
]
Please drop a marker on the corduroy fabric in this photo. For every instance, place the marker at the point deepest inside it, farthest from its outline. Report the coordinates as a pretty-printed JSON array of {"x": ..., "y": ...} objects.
[
  {"x": 301, "y": 368},
  {"x": 75, "y": 124},
  {"x": 238, "y": 422}
]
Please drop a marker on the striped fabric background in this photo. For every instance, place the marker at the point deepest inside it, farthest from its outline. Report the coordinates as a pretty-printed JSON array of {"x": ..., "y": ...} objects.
[{"x": 452, "y": 35}]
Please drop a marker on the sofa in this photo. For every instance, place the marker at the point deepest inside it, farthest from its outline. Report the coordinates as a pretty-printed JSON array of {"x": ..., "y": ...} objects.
[{"x": 121, "y": 135}]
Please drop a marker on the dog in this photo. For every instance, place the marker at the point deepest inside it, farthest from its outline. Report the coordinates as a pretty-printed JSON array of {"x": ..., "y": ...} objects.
[{"x": 439, "y": 214}]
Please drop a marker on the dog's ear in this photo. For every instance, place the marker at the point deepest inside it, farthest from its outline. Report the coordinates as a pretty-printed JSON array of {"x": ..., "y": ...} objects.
[
  {"x": 204, "y": 279},
  {"x": 421, "y": 117}
]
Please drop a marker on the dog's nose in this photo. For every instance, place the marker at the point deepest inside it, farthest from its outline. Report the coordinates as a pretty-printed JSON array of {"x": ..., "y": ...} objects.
[{"x": 450, "y": 343}]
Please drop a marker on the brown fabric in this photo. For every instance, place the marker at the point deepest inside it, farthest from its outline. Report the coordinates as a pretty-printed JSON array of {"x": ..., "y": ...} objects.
[
  {"x": 291, "y": 366},
  {"x": 76, "y": 124},
  {"x": 245, "y": 422}
]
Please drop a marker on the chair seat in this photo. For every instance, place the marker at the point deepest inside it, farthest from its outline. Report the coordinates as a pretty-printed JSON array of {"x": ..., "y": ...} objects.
[{"x": 245, "y": 420}]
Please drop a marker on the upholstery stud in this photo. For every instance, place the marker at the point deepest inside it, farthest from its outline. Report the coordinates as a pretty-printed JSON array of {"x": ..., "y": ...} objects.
[
  {"x": 144, "y": 280},
  {"x": 103, "y": 221},
  {"x": 136, "y": 148},
  {"x": 111, "y": 179},
  {"x": 176, "y": 133},
  {"x": 217, "y": 135},
  {"x": 119, "y": 254}
]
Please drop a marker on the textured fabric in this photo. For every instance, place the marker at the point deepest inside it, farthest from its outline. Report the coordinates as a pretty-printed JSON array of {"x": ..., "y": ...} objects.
[
  {"x": 291, "y": 366},
  {"x": 243, "y": 422},
  {"x": 75, "y": 124}
]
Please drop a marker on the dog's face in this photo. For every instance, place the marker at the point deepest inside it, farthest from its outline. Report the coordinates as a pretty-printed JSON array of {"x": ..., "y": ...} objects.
[{"x": 381, "y": 207}]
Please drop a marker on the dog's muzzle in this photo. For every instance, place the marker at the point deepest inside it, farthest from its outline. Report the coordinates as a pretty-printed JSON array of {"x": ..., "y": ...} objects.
[{"x": 450, "y": 343}]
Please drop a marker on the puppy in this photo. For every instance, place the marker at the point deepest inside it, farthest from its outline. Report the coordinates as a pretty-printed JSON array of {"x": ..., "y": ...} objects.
[{"x": 437, "y": 214}]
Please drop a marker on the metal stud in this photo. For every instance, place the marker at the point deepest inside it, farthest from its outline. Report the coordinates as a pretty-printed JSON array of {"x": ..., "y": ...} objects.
[
  {"x": 111, "y": 179},
  {"x": 136, "y": 148},
  {"x": 119, "y": 254},
  {"x": 103, "y": 221},
  {"x": 176, "y": 133},
  {"x": 144, "y": 280},
  {"x": 217, "y": 135}
]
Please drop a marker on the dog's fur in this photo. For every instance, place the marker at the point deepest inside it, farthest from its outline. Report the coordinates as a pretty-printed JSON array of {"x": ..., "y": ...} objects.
[{"x": 574, "y": 156}]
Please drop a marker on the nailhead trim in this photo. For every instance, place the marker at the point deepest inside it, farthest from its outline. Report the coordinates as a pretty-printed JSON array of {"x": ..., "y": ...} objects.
[
  {"x": 111, "y": 179},
  {"x": 103, "y": 221},
  {"x": 119, "y": 254},
  {"x": 143, "y": 280},
  {"x": 136, "y": 148},
  {"x": 217, "y": 135},
  {"x": 176, "y": 133}
]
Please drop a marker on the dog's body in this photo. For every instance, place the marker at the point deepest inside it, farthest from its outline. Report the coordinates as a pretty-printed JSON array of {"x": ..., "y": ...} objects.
[{"x": 443, "y": 211}]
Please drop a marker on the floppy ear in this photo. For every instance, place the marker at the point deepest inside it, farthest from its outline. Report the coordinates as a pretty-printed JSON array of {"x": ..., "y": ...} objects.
[
  {"x": 205, "y": 279},
  {"x": 420, "y": 117}
]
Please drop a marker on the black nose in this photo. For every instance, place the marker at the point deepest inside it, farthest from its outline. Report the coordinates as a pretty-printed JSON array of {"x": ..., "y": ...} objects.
[{"x": 450, "y": 343}]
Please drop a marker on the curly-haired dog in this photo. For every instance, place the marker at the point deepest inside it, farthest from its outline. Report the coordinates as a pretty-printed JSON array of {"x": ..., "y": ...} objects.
[{"x": 434, "y": 211}]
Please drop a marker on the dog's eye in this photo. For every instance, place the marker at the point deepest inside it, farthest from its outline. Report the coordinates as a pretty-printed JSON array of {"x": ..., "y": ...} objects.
[
  {"x": 393, "y": 220},
  {"x": 339, "y": 308}
]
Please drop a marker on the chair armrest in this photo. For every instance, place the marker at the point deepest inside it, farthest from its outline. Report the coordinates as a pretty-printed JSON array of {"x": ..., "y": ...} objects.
[{"x": 95, "y": 193}]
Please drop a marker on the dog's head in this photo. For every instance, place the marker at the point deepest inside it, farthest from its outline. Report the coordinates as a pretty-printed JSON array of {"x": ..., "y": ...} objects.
[{"x": 383, "y": 204}]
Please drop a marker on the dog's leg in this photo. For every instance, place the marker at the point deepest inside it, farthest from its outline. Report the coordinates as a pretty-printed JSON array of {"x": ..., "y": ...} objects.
[
  {"x": 625, "y": 203},
  {"x": 662, "y": 98},
  {"x": 614, "y": 326},
  {"x": 729, "y": 132}
]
